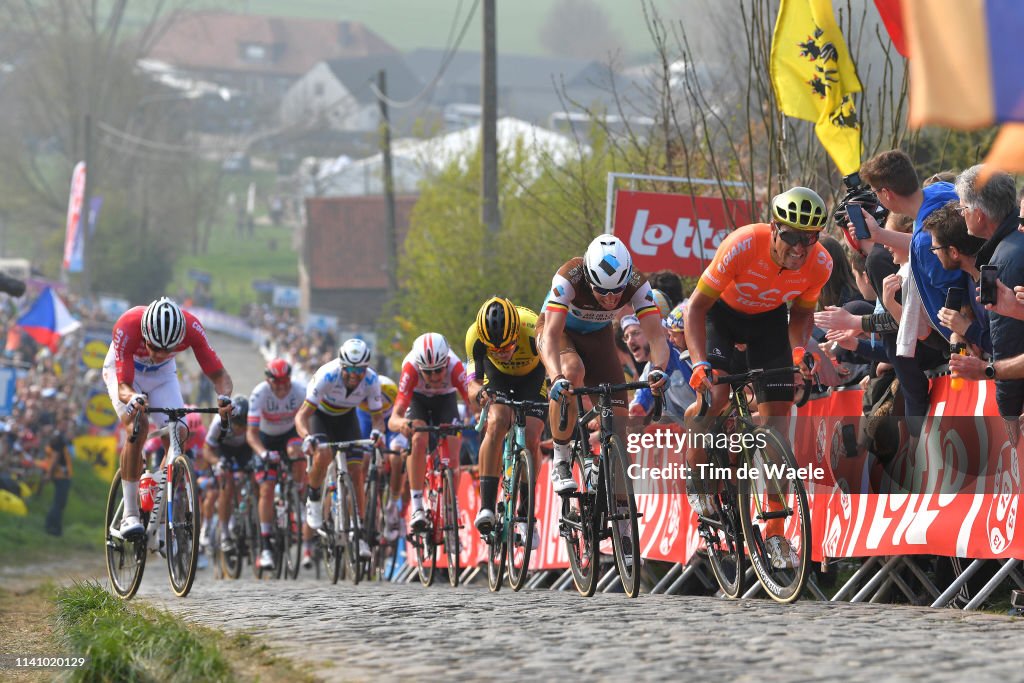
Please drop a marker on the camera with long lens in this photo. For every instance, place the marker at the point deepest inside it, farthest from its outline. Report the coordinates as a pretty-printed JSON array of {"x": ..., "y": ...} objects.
[
  {"x": 11, "y": 285},
  {"x": 857, "y": 192}
]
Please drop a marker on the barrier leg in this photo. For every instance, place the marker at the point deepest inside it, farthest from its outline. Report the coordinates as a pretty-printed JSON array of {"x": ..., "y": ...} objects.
[
  {"x": 905, "y": 588},
  {"x": 563, "y": 581},
  {"x": 666, "y": 580},
  {"x": 954, "y": 588},
  {"x": 812, "y": 585},
  {"x": 468, "y": 574},
  {"x": 993, "y": 583},
  {"x": 883, "y": 591},
  {"x": 537, "y": 579},
  {"x": 754, "y": 589},
  {"x": 692, "y": 569},
  {"x": 608, "y": 580},
  {"x": 922, "y": 577},
  {"x": 876, "y": 580},
  {"x": 852, "y": 582}
]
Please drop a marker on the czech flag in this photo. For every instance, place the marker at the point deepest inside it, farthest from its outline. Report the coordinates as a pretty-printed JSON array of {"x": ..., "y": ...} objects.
[
  {"x": 965, "y": 69},
  {"x": 48, "y": 320}
]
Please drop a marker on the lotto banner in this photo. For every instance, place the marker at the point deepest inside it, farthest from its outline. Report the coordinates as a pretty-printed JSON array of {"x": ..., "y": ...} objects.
[{"x": 677, "y": 232}]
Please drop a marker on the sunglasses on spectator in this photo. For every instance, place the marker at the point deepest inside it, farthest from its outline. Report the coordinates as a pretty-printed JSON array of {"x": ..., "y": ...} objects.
[
  {"x": 608, "y": 292},
  {"x": 354, "y": 370},
  {"x": 435, "y": 371},
  {"x": 793, "y": 238}
]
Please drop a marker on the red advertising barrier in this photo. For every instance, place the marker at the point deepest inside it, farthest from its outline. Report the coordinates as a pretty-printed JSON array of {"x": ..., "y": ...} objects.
[
  {"x": 965, "y": 475},
  {"x": 675, "y": 231}
]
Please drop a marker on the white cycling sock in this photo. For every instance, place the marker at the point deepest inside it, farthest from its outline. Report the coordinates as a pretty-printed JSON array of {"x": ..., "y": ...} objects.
[
  {"x": 416, "y": 499},
  {"x": 265, "y": 528},
  {"x": 130, "y": 490},
  {"x": 562, "y": 453}
]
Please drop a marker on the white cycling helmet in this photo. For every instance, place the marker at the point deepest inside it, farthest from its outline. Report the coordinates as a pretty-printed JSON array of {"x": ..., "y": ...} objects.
[
  {"x": 163, "y": 324},
  {"x": 607, "y": 264},
  {"x": 430, "y": 351},
  {"x": 354, "y": 352}
]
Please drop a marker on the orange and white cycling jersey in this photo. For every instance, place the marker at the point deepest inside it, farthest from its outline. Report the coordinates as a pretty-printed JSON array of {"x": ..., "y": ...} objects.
[{"x": 746, "y": 278}]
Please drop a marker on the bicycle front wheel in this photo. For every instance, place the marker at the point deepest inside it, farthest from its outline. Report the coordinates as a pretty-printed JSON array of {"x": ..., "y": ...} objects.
[
  {"x": 497, "y": 541},
  {"x": 579, "y": 530},
  {"x": 625, "y": 525},
  {"x": 182, "y": 527},
  {"x": 126, "y": 559},
  {"x": 776, "y": 519},
  {"x": 520, "y": 500},
  {"x": 350, "y": 531},
  {"x": 294, "y": 513},
  {"x": 451, "y": 527},
  {"x": 329, "y": 542}
]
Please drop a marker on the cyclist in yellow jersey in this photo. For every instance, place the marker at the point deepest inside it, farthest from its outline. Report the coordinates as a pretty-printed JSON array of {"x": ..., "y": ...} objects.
[{"x": 501, "y": 346}]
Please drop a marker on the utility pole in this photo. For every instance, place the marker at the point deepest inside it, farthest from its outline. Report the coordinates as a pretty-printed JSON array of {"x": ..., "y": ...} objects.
[
  {"x": 489, "y": 123},
  {"x": 389, "y": 182}
]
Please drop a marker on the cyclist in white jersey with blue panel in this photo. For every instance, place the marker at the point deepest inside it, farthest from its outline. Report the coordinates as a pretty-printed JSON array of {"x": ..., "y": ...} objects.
[{"x": 329, "y": 414}]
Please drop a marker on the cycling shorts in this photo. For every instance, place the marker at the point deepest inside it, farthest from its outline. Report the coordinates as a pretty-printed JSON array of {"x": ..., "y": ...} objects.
[
  {"x": 598, "y": 353},
  {"x": 434, "y": 410},
  {"x": 529, "y": 387},
  {"x": 280, "y": 442},
  {"x": 767, "y": 338},
  {"x": 344, "y": 427}
]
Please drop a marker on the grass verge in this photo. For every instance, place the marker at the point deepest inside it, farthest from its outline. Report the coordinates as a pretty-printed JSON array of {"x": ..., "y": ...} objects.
[
  {"x": 24, "y": 540},
  {"x": 134, "y": 642},
  {"x": 128, "y": 643}
]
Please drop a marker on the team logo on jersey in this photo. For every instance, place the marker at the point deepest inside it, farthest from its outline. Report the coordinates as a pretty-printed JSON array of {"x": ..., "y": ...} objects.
[{"x": 558, "y": 291}]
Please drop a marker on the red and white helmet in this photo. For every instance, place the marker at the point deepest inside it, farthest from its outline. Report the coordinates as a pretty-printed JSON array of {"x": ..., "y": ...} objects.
[
  {"x": 278, "y": 369},
  {"x": 430, "y": 351}
]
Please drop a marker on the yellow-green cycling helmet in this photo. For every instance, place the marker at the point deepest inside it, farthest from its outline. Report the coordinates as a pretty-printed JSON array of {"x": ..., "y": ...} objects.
[{"x": 800, "y": 208}]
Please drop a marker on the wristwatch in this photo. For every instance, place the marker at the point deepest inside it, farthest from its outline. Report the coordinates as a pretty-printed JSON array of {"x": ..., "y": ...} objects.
[{"x": 990, "y": 370}]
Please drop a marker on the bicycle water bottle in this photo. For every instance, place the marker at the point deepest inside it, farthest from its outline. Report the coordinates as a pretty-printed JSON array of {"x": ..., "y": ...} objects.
[{"x": 147, "y": 484}]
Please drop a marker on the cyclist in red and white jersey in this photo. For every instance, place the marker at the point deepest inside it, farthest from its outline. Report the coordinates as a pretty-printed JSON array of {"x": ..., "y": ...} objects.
[
  {"x": 270, "y": 431},
  {"x": 329, "y": 414},
  {"x": 140, "y": 370},
  {"x": 431, "y": 376}
]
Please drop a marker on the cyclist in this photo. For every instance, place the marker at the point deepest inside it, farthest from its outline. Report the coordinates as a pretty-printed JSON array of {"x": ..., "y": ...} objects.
[
  {"x": 139, "y": 369},
  {"x": 575, "y": 333},
  {"x": 328, "y": 414},
  {"x": 270, "y": 432},
  {"x": 743, "y": 296},
  {"x": 679, "y": 395},
  {"x": 431, "y": 375},
  {"x": 502, "y": 350},
  {"x": 395, "y": 442},
  {"x": 227, "y": 454}
]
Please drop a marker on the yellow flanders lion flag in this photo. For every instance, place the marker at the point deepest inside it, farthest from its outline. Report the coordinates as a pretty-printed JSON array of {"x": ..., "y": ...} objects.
[{"x": 815, "y": 79}]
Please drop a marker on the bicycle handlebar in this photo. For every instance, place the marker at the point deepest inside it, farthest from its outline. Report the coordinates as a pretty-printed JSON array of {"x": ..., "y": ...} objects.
[
  {"x": 605, "y": 390},
  {"x": 172, "y": 413},
  {"x": 449, "y": 429},
  {"x": 344, "y": 445},
  {"x": 742, "y": 379}
]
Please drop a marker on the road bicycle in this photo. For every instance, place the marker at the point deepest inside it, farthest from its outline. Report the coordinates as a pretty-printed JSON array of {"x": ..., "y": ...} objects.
[
  {"x": 743, "y": 507},
  {"x": 172, "y": 523},
  {"x": 441, "y": 507},
  {"x": 506, "y": 548},
  {"x": 340, "y": 532},
  {"x": 243, "y": 525},
  {"x": 289, "y": 514},
  {"x": 605, "y": 493},
  {"x": 377, "y": 496}
]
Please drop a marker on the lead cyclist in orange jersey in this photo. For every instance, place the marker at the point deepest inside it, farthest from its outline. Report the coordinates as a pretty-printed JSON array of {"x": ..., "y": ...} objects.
[{"x": 758, "y": 272}]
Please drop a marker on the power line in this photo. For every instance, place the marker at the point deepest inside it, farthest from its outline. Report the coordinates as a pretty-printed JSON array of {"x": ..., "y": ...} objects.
[{"x": 445, "y": 63}]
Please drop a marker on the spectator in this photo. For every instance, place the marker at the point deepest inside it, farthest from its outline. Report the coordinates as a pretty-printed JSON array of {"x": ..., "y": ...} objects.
[
  {"x": 670, "y": 284},
  {"x": 990, "y": 211},
  {"x": 635, "y": 341},
  {"x": 59, "y": 470},
  {"x": 841, "y": 286},
  {"x": 957, "y": 249}
]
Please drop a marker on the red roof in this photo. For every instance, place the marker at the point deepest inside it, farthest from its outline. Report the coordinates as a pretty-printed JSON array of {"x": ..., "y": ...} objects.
[
  {"x": 218, "y": 41},
  {"x": 346, "y": 240}
]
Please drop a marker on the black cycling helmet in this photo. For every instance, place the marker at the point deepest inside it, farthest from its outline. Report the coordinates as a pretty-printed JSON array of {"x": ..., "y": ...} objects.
[{"x": 239, "y": 408}]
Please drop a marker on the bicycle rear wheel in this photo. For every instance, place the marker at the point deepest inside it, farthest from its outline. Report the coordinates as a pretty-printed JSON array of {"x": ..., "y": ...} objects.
[
  {"x": 519, "y": 548},
  {"x": 451, "y": 527},
  {"x": 126, "y": 559},
  {"x": 626, "y": 547},
  {"x": 722, "y": 533},
  {"x": 426, "y": 555},
  {"x": 776, "y": 519},
  {"x": 252, "y": 533},
  {"x": 578, "y": 529},
  {"x": 296, "y": 516}
]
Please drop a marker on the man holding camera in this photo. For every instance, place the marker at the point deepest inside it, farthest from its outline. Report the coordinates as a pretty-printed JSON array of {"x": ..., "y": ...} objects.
[{"x": 989, "y": 208}]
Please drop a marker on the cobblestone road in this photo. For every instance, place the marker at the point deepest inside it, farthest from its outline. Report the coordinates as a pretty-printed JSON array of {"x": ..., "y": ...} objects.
[
  {"x": 387, "y": 631},
  {"x": 384, "y": 630}
]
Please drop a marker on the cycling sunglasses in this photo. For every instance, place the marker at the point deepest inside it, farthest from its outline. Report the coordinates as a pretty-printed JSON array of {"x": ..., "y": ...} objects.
[
  {"x": 793, "y": 237},
  {"x": 508, "y": 348},
  {"x": 435, "y": 371},
  {"x": 354, "y": 370},
  {"x": 608, "y": 292}
]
